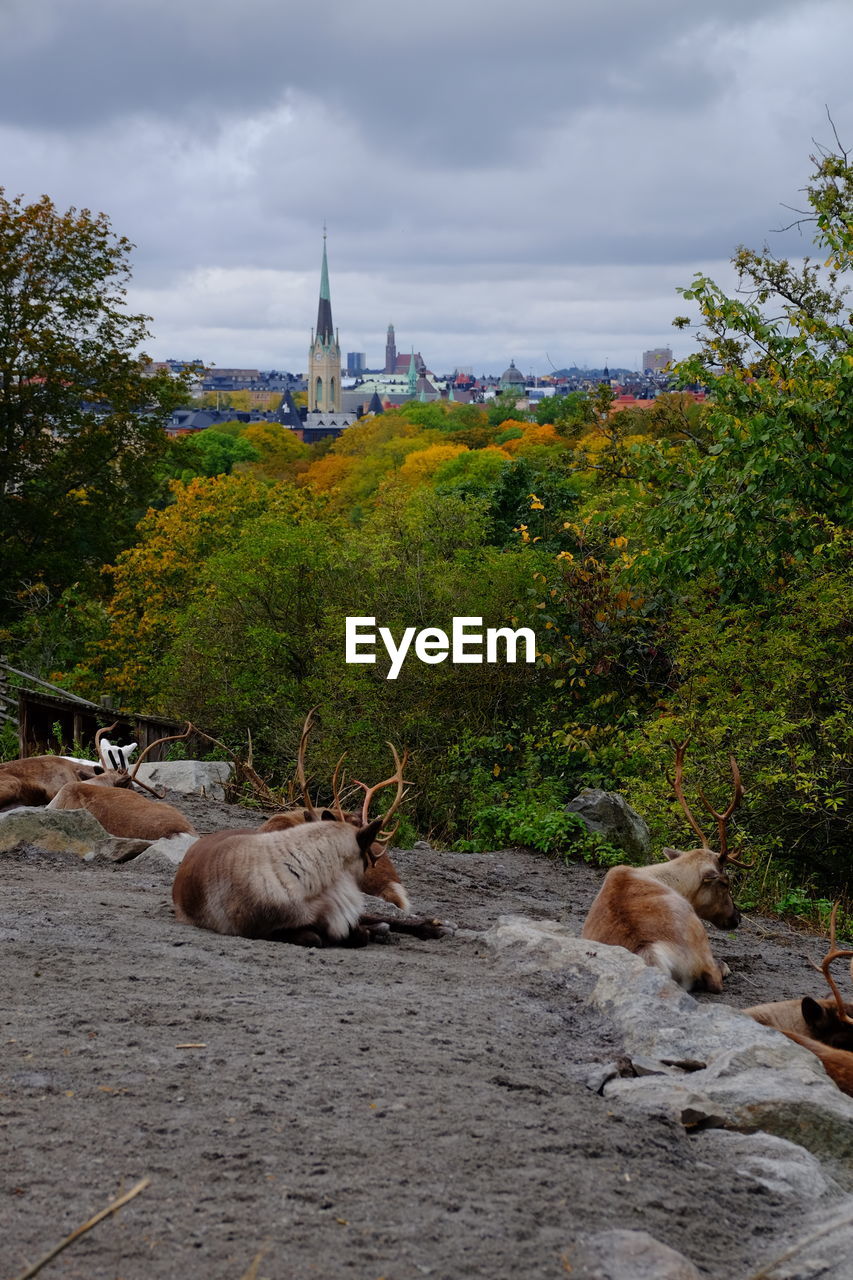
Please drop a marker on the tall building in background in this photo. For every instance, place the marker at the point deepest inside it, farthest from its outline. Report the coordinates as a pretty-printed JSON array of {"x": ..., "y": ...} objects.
[
  {"x": 656, "y": 360},
  {"x": 356, "y": 363},
  {"x": 324, "y": 358},
  {"x": 390, "y": 351}
]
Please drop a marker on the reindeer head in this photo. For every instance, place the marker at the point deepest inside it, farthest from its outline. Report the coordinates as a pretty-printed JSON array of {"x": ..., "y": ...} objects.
[
  {"x": 832, "y": 1026},
  {"x": 712, "y": 898}
]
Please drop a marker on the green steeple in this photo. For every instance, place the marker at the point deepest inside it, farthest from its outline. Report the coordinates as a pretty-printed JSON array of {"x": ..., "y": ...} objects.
[
  {"x": 413, "y": 376},
  {"x": 325, "y": 330}
]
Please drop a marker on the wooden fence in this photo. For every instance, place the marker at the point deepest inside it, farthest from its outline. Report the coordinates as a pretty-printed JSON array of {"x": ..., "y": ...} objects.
[{"x": 48, "y": 718}]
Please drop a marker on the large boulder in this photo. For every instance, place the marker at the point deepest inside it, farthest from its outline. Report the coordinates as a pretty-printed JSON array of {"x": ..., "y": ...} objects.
[
  {"x": 190, "y": 777},
  {"x": 55, "y": 830},
  {"x": 64, "y": 831},
  {"x": 608, "y": 814}
]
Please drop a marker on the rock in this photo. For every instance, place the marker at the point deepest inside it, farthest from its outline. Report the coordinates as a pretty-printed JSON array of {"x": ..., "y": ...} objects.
[
  {"x": 168, "y": 852},
  {"x": 779, "y": 1166},
  {"x": 54, "y": 830},
  {"x": 754, "y": 1077},
  {"x": 122, "y": 848},
  {"x": 629, "y": 1255},
  {"x": 608, "y": 814},
  {"x": 191, "y": 777}
]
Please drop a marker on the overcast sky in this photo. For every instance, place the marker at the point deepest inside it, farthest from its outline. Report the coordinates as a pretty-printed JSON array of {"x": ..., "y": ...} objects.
[{"x": 500, "y": 181}]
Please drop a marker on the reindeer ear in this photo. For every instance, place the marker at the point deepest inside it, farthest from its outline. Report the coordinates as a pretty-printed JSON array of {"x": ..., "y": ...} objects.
[
  {"x": 813, "y": 1013},
  {"x": 367, "y": 835},
  {"x": 307, "y": 815},
  {"x": 672, "y": 853},
  {"x": 328, "y": 816}
]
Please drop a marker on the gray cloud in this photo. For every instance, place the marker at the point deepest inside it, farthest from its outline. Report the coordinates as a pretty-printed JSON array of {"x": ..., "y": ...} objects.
[{"x": 471, "y": 163}]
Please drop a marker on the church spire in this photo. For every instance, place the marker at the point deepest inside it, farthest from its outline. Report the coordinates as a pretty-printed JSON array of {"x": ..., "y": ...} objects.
[{"x": 325, "y": 330}]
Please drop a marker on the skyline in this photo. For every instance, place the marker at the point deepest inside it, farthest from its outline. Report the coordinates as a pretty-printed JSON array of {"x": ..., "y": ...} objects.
[{"x": 499, "y": 189}]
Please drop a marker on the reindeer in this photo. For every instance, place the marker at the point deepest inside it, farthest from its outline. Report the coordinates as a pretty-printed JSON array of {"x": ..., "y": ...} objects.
[
  {"x": 121, "y": 811},
  {"x": 35, "y": 780},
  {"x": 299, "y": 877},
  {"x": 825, "y": 1026},
  {"x": 657, "y": 911}
]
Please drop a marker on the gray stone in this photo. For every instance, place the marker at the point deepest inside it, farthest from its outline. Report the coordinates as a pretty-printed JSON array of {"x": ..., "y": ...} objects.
[
  {"x": 629, "y": 1255},
  {"x": 190, "y": 777},
  {"x": 122, "y": 848},
  {"x": 608, "y": 814},
  {"x": 168, "y": 852},
  {"x": 773, "y": 1163},
  {"x": 54, "y": 830},
  {"x": 754, "y": 1077}
]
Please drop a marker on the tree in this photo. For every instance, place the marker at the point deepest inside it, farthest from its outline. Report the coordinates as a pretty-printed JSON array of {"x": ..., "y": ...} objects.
[
  {"x": 81, "y": 423},
  {"x": 210, "y": 453},
  {"x": 771, "y": 474}
]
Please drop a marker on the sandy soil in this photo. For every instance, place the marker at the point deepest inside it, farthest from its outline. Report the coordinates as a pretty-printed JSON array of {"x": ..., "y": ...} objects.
[{"x": 404, "y": 1110}]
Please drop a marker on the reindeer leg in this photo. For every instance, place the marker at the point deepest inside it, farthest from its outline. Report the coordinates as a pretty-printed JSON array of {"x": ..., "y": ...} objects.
[
  {"x": 305, "y": 936},
  {"x": 417, "y": 927}
]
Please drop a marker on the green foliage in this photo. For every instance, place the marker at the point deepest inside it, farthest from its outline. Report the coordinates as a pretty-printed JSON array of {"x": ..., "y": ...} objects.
[
  {"x": 81, "y": 426},
  {"x": 758, "y": 495},
  {"x": 209, "y": 453},
  {"x": 529, "y": 823}
]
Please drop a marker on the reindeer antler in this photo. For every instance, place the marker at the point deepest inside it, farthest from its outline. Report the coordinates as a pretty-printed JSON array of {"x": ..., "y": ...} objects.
[
  {"x": 169, "y": 737},
  {"x": 679, "y": 749},
  {"x": 300, "y": 763},
  {"x": 369, "y": 793},
  {"x": 98, "y": 750},
  {"x": 834, "y": 953},
  {"x": 336, "y": 789},
  {"x": 721, "y": 819}
]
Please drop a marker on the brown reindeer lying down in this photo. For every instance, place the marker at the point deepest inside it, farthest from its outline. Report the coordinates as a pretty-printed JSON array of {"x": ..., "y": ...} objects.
[
  {"x": 824, "y": 1027},
  {"x": 36, "y": 779},
  {"x": 657, "y": 912},
  {"x": 301, "y": 876}
]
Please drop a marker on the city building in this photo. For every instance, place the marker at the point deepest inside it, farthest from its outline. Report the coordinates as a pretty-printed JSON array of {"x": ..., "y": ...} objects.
[
  {"x": 325, "y": 413},
  {"x": 356, "y": 363},
  {"x": 656, "y": 360}
]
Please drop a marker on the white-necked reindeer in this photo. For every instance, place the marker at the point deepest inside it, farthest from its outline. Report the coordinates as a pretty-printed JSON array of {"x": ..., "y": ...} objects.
[
  {"x": 657, "y": 911},
  {"x": 301, "y": 876}
]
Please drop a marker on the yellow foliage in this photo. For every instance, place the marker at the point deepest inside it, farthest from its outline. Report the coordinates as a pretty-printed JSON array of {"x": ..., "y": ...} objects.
[{"x": 422, "y": 464}]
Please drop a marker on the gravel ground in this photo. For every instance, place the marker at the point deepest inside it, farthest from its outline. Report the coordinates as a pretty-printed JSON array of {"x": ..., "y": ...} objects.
[{"x": 404, "y": 1110}]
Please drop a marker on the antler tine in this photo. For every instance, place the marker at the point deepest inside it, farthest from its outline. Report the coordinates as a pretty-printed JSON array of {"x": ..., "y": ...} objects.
[
  {"x": 680, "y": 748},
  {"x": 335, "y": 790},
  {"x": 722, "y": 819},
  {"x": 835, "y": 953},
  {"x": 300, "y": 763},
  {"x": 171, "y": 737},
  {"x": 396, "y": 776},
  {"x": 98, "y": 737}
]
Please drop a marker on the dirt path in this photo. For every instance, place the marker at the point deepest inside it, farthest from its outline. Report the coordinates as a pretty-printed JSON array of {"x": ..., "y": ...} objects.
[{"x": 400, "y": 1111}]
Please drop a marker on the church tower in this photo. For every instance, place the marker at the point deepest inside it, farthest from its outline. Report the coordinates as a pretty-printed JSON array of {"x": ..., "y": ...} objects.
[
  {"x": 390, "y": 351},
  {"x": 324, "y": 358}
]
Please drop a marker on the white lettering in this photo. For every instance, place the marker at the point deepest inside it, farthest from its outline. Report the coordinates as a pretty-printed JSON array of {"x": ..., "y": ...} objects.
[
  {"x": 395, "y": 653},
  {"x": 354, "y": 639},
  {"x": 431, "y": 645},
  {"x": 511, "y": 638},
  {"x": 461, "y": 637}
]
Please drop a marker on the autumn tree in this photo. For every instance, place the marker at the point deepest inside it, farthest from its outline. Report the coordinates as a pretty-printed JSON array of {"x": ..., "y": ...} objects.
[
  {"x": 771, "y": 474},
  {"x": 81, "y": 423}
]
